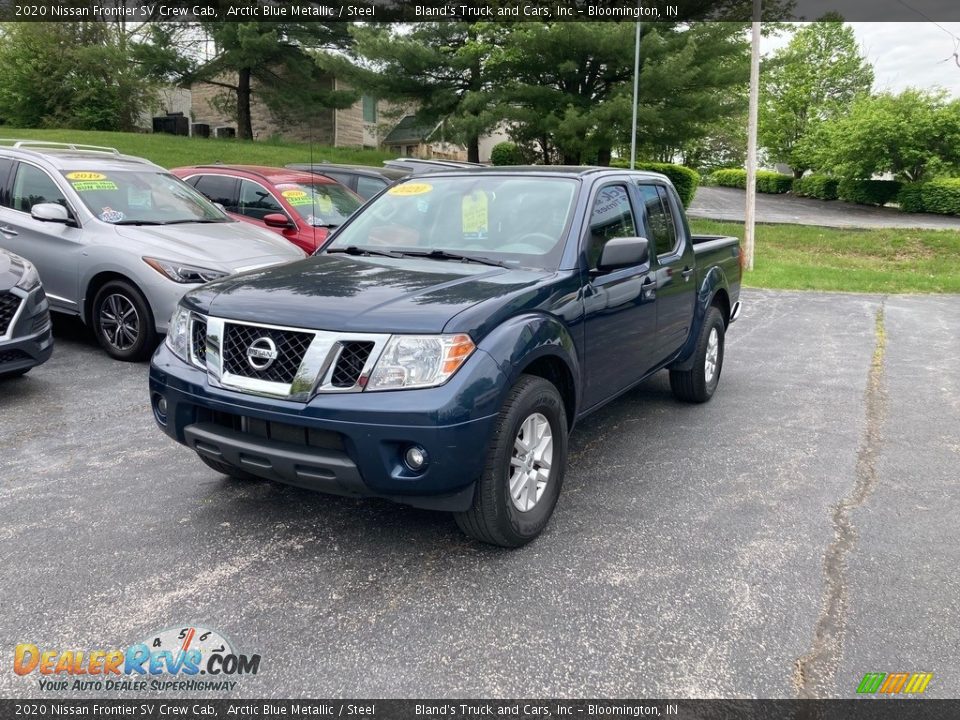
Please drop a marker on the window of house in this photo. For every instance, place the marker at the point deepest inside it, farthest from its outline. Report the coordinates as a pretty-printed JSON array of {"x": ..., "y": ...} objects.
[{"x": 369, "y": 109}]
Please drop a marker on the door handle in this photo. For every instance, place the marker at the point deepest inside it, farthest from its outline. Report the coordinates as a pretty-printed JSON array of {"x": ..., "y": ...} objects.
[
  {"x": 8, "y": 231},
  {"x": 687, "y": 272}
]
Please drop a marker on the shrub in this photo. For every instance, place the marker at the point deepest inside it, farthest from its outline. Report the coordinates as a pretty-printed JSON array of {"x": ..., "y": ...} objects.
[
  {"x": 910, "y": 198},
  {"x": 506, "y": 153},
  {"x": 868, "y": 192},
  {"x": 731, "y": 177},
  {"x": 773, "y": 182},
  {"x": 684, "y": 179},
  {"x": 942, "y": 196},
  {"x": 822, "y": 187}
]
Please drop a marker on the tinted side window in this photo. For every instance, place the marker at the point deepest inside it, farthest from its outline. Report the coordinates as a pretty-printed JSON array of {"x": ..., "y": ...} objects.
[
  {"x": 671, "y": 224},
  {"x": 220, "y": 189},
  {"x": 610, "y": 218},
  {"x": 33, "y": 186},
  {"x": 659, "y": 219},
  {"x": 256, "y": 201},
  {"x": 367, "y": 187},
  {"x": 5, "y": 166}
]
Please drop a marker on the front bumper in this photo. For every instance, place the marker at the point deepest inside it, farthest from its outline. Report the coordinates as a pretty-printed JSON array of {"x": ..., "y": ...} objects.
[
  {"x": 345, "y": 444},
  {"x": 28, "y": 341}
]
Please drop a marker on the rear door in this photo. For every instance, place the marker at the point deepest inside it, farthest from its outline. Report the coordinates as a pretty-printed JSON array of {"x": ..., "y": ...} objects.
[
  {"x": 220, "y": 189},
  {"x": 676, "y": 275},
  {"x": 620, "y": 306},
  {"x": 55, "y": 248}
]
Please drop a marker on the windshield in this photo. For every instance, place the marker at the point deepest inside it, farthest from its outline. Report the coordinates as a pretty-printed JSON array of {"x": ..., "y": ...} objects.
[
  {"x": 134, "y": 197},
  {"x": 320, "y": 204},
  {"x": 514, "y": 220}
]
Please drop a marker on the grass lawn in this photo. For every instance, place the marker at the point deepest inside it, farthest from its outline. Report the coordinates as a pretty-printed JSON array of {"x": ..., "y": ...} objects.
[
  {"x": 801, "y": 257},
  {"x": 172, "y": 150}
]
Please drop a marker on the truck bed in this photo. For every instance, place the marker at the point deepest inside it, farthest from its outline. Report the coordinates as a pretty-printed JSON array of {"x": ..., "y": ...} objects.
[{"x": 722, "y": 251}]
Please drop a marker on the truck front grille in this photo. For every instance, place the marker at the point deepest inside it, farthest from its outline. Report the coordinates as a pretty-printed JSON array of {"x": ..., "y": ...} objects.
[
  {"x": 290, "y": 347},
  {"x": 353, "y": 356},
  {"x": 9, "y": 303},
  {"x": 281, "y": 432},
  {"x": 198, "y": 340}
]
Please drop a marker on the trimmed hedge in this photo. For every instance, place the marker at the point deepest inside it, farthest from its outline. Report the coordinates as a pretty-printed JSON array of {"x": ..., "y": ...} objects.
[
  {"x": 506, "y": 153},
  {"x": 767, "y": 180},
  {"x": 942, "y": 196},
  {"x": 910, "y": 198},
  {"x": 822, "y": 187},
  {"x": 868, "y": 192},
  {"x": 683, "y": 178}
]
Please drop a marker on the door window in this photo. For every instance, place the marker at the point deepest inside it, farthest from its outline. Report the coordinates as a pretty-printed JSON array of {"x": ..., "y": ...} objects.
[
  {"x": 256, "y": 201},
  {"x": 610, "y": 218},
  {"x": 6, "y": 164},
  {"x": 219, "y": 189},
  {"x": 659, "y": 219},
  {"x": 367, "y": 187},
  {"x": 33, "y": 186}
]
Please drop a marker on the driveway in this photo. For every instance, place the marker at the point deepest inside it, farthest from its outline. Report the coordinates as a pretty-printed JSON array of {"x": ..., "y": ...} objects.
[
  {"x": 791, "y": 535},
  {"x": 722, "y": 203}
]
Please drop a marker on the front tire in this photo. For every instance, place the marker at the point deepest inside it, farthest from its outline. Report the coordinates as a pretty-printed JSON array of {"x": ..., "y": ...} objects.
[
  {"x": 521, "y": 481},
  {"x": 122, "y": 322},
  {"x": 698, "y": 384}
]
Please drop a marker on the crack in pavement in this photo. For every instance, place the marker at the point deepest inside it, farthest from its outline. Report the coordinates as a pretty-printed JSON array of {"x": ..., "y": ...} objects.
[{"x": 814, "y": 670}]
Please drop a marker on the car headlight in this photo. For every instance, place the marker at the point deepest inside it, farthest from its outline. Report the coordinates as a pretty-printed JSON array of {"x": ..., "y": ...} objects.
[
  {"x": 30, "y": 278},
  {"x": 178, "y": 333},
  {"x": 182, "y": 273},
  {"x": 419, "y": 361}
]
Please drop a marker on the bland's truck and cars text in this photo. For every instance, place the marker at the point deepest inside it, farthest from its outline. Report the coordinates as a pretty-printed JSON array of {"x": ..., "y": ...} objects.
[{"x": 440, "y": 348}]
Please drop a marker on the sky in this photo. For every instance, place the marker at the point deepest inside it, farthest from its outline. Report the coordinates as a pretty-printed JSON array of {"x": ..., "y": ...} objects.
[{"x": 904, "y": 54}]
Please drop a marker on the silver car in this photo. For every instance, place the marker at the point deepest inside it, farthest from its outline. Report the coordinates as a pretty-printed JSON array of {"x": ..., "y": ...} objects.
[{"x": 117, "y": 239}]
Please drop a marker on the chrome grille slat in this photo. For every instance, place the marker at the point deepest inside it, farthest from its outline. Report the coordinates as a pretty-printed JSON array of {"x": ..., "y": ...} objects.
[
  {"x": 291, "y": 347},
  {"x": 349, "y": 366}
]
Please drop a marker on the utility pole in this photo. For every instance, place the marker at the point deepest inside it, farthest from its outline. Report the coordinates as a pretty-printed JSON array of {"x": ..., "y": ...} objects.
[
  {"x": 636, "y": 98},
  {"x": 749, "y": 224}
]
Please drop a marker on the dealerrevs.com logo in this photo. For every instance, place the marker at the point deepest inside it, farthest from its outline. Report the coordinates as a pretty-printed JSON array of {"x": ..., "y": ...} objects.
[{"x": 188, "y": 658}]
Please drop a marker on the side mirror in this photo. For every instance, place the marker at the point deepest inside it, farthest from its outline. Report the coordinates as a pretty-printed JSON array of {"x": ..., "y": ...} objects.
[
  {"x": 624, "y": 252},
  {"x": 50, "y": 212},
  {"x": 277, "y": 220}
]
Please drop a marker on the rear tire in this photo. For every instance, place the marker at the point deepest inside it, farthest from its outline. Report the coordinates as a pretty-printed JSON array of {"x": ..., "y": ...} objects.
[
  {"x": 521, "y": 481},
  {"x": 698, "y": 384},
  {"x": 228, "y": 470},
  {"x": 122, "y": 321}
]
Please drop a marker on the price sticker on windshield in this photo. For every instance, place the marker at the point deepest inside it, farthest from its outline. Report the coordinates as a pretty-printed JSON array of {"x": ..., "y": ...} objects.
[
  {"x": 410, "y": 189},
  {"x": 297, "y": 197},
  {"x": 475, "y": 215},
  {"x": 85, "y": 175},
  {"x": 87, "y": 185}
]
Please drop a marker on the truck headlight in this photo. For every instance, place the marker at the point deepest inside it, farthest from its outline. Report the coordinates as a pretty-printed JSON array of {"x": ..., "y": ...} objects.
[
  {"x": 30, "y": 278},
  {"x": 178, "y": 333},
  {"x": 181, "y": 273},
  {"x": 419, "y": 361}
]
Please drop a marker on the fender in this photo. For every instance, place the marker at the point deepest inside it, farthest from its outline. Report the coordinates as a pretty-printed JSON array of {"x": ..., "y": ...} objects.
[
  {"x": 525, "y": 338},
  {"x": 714, "y": 281}
]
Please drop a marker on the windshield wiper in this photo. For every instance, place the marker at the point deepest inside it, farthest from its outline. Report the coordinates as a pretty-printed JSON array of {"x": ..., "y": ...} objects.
[
  {"x": 447, "y": 255},
  {"x": 184, "y": 222},
  {"x": 355, "y": 250},
  {"x": 137, "y": 222}
]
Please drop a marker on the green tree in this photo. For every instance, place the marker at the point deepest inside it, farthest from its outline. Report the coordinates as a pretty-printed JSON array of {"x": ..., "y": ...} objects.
[
  {"x": 914, "y": 135},
  {"x": 71, "y": 74},
  {"x": 276, "y": 62},
  {"x": 446, "y": 70},
  {"x": 811, "y": 80}
]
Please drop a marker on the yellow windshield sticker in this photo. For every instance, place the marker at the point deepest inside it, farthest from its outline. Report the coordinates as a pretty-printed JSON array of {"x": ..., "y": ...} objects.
[
  {"x": 289, "y": 194},
  {"x": 324, "y": 204},
  {"x": 475, "y": 215},
  {"x": 87, "y": 185},
  {"x": 297, "y": 197},
  {"x": 85, "y": 175},
  {"x": 410, "y": 189}
]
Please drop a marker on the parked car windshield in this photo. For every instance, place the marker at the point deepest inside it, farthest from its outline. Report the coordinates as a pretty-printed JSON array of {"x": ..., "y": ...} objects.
[
  {"x": 320, "y": 204},
  {"x": 141, "y": 197},
  {"x": 512, "y": 220}
]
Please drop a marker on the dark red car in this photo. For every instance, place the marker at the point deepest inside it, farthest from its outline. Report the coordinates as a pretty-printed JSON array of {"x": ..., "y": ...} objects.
[{"x": 301, "y": 206}]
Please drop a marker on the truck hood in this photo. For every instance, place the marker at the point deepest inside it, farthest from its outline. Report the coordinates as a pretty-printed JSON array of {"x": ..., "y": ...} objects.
[
  {"x": 231, "y": 245},
  {"x": 361, "y": 294}
]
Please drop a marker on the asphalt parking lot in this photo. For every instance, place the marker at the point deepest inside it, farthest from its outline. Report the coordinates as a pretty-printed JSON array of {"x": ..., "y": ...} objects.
[{"x": 796, "y": 532}]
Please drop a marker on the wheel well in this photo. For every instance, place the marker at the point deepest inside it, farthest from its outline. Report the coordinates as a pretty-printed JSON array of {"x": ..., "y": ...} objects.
[
  {"x": 97, "y": 282},
  {"x": 722, "y": 302},
  {"x": 554, "y": 370}
]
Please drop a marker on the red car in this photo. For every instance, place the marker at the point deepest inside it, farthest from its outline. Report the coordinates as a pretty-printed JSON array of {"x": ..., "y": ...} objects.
[{"x": 301, "y": 206}]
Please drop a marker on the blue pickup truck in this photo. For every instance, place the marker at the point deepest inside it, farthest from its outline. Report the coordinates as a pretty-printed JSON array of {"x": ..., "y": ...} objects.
[{"x": 440, "y": 348}]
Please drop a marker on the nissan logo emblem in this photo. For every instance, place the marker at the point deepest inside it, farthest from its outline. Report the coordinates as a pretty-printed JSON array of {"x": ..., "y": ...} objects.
[{"x": 261, "y": 353}]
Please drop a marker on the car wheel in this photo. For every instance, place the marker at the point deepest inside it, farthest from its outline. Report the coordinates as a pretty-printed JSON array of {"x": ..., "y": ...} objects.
[
  {"x": 227, "y": 469},
  {"x": 700, "y": 382},
  {"x": 521, "y": 481},
  {"x": 122, "y": 322}
]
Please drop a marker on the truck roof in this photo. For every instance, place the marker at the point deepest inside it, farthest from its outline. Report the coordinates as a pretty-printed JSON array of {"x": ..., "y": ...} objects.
[{"x": 67, "y": 156}]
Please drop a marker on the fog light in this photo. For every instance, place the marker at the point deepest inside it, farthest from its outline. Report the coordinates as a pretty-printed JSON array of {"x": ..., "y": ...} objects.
[
  {"x": 160, "y": 408},
  {"x": 415, "y": 458}
]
